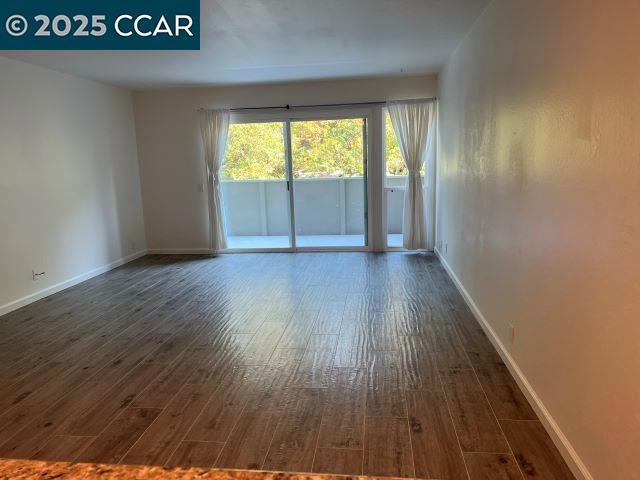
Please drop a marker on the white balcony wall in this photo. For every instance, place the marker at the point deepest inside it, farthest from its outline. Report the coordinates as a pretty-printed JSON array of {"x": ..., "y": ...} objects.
[
  {"x": 394, "y": 191},
  {"x": 324, "y": 206},
  {"x": 255, "y": 207}
]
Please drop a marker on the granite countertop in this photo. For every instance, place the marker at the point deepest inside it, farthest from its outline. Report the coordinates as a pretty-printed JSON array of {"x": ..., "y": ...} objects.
[{"x": 30, "y": 469}]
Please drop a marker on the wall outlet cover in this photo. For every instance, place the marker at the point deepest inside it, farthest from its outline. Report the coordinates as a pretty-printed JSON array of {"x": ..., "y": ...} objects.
[{"x": 37, "y": 274}]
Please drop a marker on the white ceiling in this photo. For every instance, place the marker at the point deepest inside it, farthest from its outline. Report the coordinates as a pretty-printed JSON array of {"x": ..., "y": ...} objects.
[{"x": 254, "y": 41}]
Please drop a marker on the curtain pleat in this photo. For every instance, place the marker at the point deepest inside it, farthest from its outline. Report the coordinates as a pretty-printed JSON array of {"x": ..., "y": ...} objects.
[{"x": 214, "y": 126}]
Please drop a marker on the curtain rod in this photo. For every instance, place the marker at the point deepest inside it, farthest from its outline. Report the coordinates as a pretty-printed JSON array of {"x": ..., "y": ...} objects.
[{"x": 325, "y": 105}]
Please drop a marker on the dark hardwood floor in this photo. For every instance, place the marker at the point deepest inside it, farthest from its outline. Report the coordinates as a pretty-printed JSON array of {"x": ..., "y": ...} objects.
[{"x": 347, "y": 363}]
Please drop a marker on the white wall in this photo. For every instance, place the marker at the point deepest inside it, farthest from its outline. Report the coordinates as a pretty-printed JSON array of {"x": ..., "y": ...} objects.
[
  {"x": 69, "y": 183},
  {"x": 170, "y": 148},
  {"x": 539, "y": 207}
]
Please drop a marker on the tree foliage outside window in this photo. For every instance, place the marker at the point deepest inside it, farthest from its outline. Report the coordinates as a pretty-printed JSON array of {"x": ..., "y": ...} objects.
[
  {"x": 326, "y": 148},
  {"x": 254, "y": 151},
  {"x": 395, "y": 164}
]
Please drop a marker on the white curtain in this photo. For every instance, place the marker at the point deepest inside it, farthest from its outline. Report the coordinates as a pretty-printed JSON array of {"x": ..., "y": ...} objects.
[
  {"x": 413, "y": 123},
  {"x": 214, "y": 126}
]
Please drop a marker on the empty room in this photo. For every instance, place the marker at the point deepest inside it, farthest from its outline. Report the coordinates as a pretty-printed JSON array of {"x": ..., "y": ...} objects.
[{"x": 312, "y": 240}]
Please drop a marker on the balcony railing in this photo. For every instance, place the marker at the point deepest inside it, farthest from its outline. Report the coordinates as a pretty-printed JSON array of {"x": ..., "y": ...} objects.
[{"x": 324, "y": 206}]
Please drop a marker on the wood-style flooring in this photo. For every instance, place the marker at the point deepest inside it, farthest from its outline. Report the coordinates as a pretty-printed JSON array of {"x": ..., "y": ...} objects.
[{"x": 345, "y": 363}]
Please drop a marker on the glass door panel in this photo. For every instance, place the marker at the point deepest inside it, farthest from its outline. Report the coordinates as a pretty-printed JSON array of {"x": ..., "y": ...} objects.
[
  {"x": 328, "y": 170},
  {"x": 394, "y": 186},
  {"x": 255, "y": 197}
]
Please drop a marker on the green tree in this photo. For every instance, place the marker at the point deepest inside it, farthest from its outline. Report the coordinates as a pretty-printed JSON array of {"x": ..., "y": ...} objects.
[
  {"x": 327, "y": 148},
  {"x": 319, "y": 149},
  {"x": 395, "y": 164},
  {"x": 254, "y": 151}
]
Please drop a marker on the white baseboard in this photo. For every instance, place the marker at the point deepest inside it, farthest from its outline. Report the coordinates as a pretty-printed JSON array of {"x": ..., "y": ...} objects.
[
  {"x": 45, "y": 292},
  {"x": 567, "y": 451},
  {"x": 179, "y": 251}
]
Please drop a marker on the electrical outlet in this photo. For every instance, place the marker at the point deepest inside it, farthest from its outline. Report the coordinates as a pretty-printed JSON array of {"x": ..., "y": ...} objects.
[
  {"x": 446, "y": 247},
  {"x": 512, "y": 333},
  {"x": 201, "y": 187},
  {"x": 37, "y": 274}
]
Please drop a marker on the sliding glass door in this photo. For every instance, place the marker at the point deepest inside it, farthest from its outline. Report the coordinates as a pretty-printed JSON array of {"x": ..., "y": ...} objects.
[
  {"x": 255, "y": 196},
  {"x": 296, "y": 184},
  {"x": 328, "y": 167}
]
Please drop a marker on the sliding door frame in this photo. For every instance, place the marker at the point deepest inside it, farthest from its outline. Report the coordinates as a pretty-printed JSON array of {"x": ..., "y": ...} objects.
[
  {"x": 288, "y": 160},
  {"x": 311, "y": 114},
  {"x": 239, "y": 118}
]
